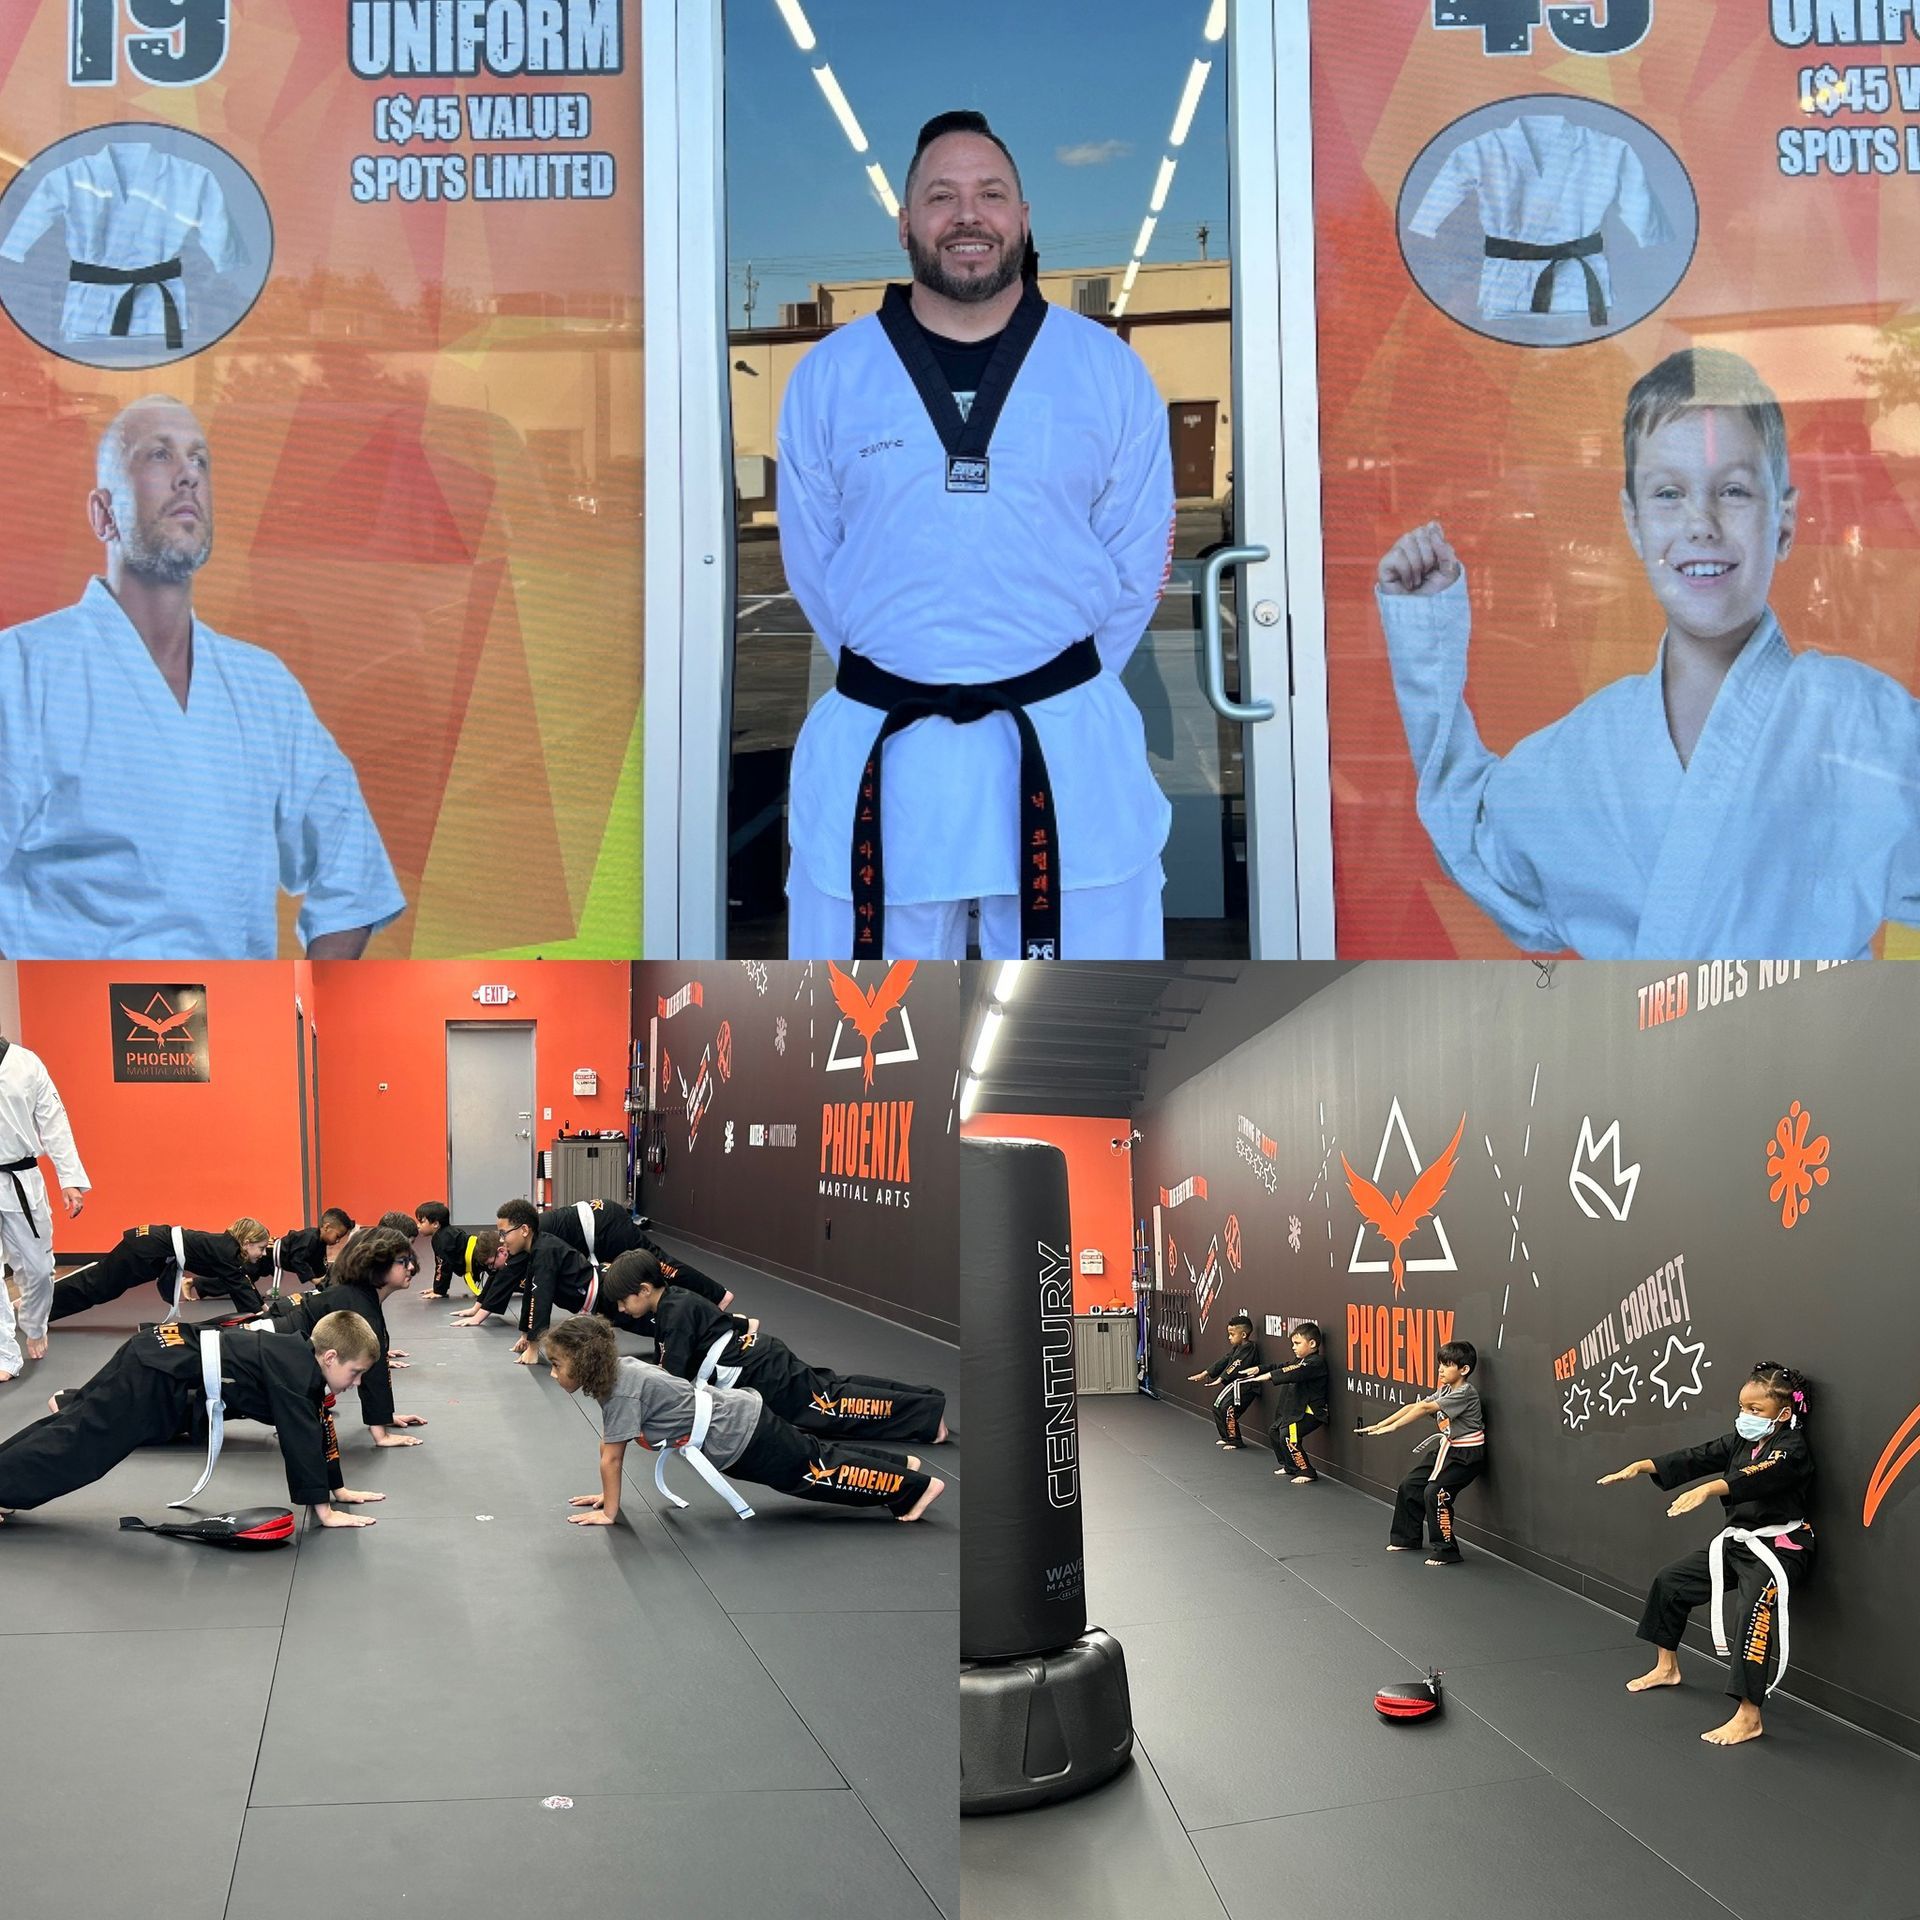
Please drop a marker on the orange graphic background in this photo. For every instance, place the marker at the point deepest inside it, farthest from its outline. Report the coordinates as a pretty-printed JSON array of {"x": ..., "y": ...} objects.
[
  {"x": 427, "y": 441},
  {"x": 1517, "y": 451}
]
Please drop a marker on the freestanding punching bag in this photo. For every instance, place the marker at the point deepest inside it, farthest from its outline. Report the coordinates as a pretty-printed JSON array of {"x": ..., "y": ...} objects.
[{"x": 1044, "y": 1712}]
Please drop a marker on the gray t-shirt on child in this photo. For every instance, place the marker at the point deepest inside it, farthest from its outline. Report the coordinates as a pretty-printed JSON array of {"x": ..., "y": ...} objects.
[
  {"x": 1460, "y": 1412},
  {"x": 649, "y": 1403}
]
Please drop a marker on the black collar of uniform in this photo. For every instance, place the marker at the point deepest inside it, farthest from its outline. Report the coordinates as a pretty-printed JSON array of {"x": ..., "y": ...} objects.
[{"x": 971, "y": 436}]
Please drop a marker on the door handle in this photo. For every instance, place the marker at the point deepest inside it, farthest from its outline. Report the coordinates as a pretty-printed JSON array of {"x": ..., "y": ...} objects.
[{"x": 1216, "y": 650}]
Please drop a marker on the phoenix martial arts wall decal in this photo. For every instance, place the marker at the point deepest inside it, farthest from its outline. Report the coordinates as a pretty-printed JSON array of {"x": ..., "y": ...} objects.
[
  {"x": 159, "y": 1032},
  {"x": 372, "y": 274},
  {"x": 1586, "y": 1199},
  {"x": 1547, "y": 222},
  {"x": 1716, "y": 198},
  {"x": 812, "y": 1122}
]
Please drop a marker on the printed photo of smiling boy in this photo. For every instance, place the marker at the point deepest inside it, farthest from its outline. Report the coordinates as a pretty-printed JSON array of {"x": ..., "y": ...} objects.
[{"x": 1736, "y": 797}]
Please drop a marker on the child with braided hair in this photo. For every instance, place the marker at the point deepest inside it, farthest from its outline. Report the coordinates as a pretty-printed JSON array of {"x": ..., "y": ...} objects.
[{"x": 1761, "y": 1472}]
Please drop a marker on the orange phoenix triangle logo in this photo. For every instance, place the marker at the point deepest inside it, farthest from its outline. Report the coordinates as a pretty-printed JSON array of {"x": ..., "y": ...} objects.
[
  {"x": 162, "y": 1030},
  {"x": 1394, "y": 1220},
  {"x": 1901, "y": 1451},
  {"x": 868, "y": 1011}
]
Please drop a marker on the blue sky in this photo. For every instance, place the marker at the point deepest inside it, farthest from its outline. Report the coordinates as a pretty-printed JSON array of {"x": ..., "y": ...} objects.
[{"x": 1092, "y": 81}]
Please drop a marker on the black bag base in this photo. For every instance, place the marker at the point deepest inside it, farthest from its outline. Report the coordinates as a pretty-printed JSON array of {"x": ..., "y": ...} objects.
[
  {"x": 1045, "y": 1728},
  {"x": 252, "y": 1528}
]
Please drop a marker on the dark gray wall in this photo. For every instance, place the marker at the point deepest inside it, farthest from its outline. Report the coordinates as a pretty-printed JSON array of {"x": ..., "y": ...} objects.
[
  {"x": 871, "y": 1238},
  {"x": 1698, "y": 1099}
]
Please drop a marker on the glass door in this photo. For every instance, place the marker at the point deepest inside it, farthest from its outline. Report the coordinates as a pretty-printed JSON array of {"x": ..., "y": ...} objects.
[{"x": 1146, "y": 138}]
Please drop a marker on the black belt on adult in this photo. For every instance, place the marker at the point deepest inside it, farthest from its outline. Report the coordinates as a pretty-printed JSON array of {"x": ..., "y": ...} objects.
[
  {"x": 1554, "y": 253},
  {"x": 13, "y": 1169},
  {"x": 904, "y": 702},
  {"x": 133, "y": 279}
]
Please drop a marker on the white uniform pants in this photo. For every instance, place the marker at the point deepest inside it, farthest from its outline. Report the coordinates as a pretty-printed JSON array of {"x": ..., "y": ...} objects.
[
  {"x": 1121, "y": 922},
  {"x": 32, "y": 1262}
]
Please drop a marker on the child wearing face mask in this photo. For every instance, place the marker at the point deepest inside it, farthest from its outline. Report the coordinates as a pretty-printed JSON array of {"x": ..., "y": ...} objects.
[{"x": 1761, "y": 1473}]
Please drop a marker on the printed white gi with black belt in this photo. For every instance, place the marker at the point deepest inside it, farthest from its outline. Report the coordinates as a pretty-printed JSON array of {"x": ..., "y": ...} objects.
[
  {"x": 126, "y": 212},
  {"x": 1070, "y": 539}
]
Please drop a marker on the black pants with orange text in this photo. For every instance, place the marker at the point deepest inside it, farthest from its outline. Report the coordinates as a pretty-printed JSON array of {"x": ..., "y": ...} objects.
[
  {"x": 1750, "y": 1602},
  {"x": 782, "y": 1457},
  {"x": 1426, "y": 1493}
]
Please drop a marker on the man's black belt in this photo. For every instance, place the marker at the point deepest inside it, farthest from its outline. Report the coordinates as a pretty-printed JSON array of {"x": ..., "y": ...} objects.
[
  {"x": 133, "y": 279},
  {"x": 1555, "y": 253},
  {"x": 13, "y": 1169},
  {"x": 904, "y": 702}
]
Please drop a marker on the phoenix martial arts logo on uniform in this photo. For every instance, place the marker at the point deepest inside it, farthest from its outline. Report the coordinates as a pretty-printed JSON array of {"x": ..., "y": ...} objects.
[
  {"x": 1395, "y": 1219},
  {"x": 159, "y": 1032}
]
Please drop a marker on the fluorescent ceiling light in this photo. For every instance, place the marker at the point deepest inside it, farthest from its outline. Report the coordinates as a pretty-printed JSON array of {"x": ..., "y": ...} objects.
[
  {"x": 1160, "y": 186},
  {"x": 983, "y": 1045},
  {"x": 878, "y": 175},
  {"x": 1189, "y": 101},
  {"x": 803, "y": 34},
  {"x": 1146, "y": 234},
  {"x": 1007, "y": 980},
  {"x": 1216, "y": 19},
  {"x": 969, "y": 1099},
  {"x": 1126, "y": 285},
  {"x": 844, "y": 113}
]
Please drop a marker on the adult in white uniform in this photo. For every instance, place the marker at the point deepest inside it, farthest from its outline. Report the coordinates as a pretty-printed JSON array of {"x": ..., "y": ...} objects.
[
  {"x": 1738, "y": 797},
  {"x": 160, "y": 782},
  {"x": 32, "y": 1123},
  {"x": 976, "y": 514}
]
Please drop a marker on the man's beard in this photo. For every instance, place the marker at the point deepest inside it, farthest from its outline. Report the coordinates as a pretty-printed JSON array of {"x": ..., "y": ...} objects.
[
  {"x": 931, "y": 272},
  {"x": 166, "y": 563}
]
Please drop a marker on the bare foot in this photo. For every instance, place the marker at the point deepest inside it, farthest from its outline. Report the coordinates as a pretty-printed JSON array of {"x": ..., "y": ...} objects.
[
  {"x": 4, "y": 1378},
  {"x": 1665, "y": 1673},
  {"x": 935, "y": 1488},
  {"x": 939, "y": 1439},
  {"x": 1303, "y": 1479},
  {"x": 913, "y": 1462},
  {"x": 1745, "y": 1725},
  {"x": 1393, "y": 1549},
  {"x": 53, "y": 1403},
  {"x": 37, "y": 1349}
]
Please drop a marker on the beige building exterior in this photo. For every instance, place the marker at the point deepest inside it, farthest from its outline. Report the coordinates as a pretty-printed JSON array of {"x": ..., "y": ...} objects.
[{"x": 1178, "y": 319}]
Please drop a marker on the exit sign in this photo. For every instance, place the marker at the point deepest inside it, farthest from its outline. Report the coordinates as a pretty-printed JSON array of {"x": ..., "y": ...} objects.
[{"x": 493, "y": 996}]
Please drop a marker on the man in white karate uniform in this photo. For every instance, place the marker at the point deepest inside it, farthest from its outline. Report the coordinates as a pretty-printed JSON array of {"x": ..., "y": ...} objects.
[
  {"x": 1737, "y": 798},
  {"x": 160, "y": 782},
  {"x": 976, "y": 515},
  {"x": 32, "y": 1123}
]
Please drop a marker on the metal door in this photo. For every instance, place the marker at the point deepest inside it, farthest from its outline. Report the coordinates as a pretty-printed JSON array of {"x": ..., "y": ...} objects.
[{"x": 489, "y": 1116}]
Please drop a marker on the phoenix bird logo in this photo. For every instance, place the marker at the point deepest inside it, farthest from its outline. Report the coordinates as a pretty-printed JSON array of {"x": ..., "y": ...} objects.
[
  {"x": 868, "y": 1011},
  {"x": 1394, "y": 1220},
  {"x": 823, "y": 1403},
  {"x": 162, "y": 1030},
  {"x": 819, "y": 1474}
]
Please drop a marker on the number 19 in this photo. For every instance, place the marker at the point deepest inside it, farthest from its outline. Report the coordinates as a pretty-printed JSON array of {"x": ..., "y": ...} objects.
[{"x": 176, "y": 43}]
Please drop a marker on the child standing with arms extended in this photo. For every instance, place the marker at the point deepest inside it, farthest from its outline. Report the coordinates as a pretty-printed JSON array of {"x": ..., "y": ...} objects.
[{"x": 1462, "y": 1436}]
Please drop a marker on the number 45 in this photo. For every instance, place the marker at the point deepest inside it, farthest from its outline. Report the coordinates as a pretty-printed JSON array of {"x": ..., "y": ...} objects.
[
  {"x": 1507, "y": 26},
  {"x": 174, "y": 43}
]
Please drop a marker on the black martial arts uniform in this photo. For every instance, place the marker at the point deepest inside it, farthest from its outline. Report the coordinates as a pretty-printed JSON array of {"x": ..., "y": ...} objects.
[
  {"x": 145, "y": 1255},
  {"x": 682, "y": 1273},
  {"x": 841, "y": 1406},
  {"x": 613, "y": 1230},
  {"x": 1434, "y": 1485},
  {"x": 453, "y": 1259},
  {"x": 1300, "y": 1408},
  {"x": 346, "y": 1296},
  {"x": 152, "y": 1389},
  {"x": 1769, "y": 1481},
  {"x": 1235, "y": 1394},
  {"x": 301, "y": 1256},
  {"x": 549, "y": 1266}
]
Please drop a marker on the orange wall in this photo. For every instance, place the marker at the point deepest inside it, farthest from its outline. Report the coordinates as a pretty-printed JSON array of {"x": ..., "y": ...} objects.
[
  {"x": 385, "y": 1020},
  {"x": 194, "y": 1155},
  {"x": 1099, "y": 1193}
]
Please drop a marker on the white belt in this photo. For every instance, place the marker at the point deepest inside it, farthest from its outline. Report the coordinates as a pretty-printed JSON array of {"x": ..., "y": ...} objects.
[
  {"x": 585, "y": 1211},
  {"x": 692, "y": 1448},
  {"x": 711, "y": 1369},
  {"x": 216, "y": 1410},
  {"x": 1754, "y": 1539},
  {"x": 179, "y": 1284}
]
